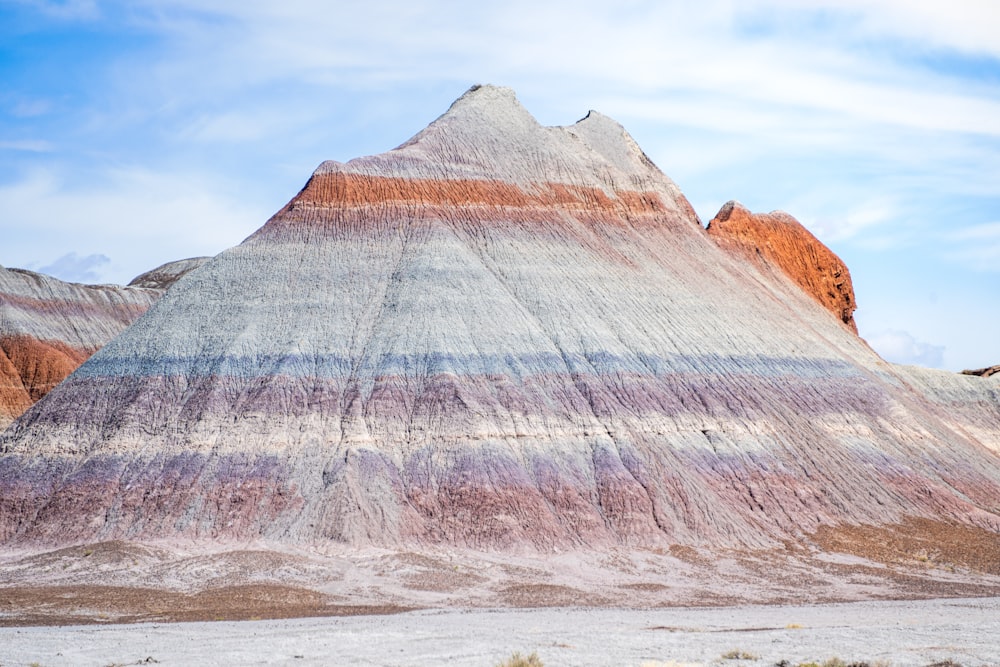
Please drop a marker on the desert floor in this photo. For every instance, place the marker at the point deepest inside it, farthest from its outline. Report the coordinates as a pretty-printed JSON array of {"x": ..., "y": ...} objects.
[{"x": 913, "y": 632}]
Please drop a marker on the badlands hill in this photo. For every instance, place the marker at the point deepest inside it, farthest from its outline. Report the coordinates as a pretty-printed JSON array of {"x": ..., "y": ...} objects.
[
  {"x": 49, "y": 327},
  {"x": 509, "y": 338}
]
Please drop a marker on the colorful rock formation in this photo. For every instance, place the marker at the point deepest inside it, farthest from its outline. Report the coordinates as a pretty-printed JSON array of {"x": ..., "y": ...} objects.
[
  {"x": 49, "y": 327},
  {"x": 777, "y": 240},
  {"x": 499, "y": 336}
]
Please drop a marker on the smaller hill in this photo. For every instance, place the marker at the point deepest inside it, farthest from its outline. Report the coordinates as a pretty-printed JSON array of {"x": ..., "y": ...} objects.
[{"x": 49, "y": 327}]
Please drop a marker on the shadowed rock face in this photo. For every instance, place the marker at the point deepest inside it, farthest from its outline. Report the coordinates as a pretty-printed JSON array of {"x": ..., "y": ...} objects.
[
  {"x": 49, "y": 327},
  {"x": 498, "y": 335},
  {"x": 778, "y": 240}
]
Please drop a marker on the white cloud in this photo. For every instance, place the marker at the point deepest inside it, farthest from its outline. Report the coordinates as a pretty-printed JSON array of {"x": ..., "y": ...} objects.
[
  {"x": 858, "y": 218},
  {"x": 962, "y": 25},
  {"x": 73, "y": 268},
  {"x": 137, "y": 219},
  {"x": 902, "y": 348}
]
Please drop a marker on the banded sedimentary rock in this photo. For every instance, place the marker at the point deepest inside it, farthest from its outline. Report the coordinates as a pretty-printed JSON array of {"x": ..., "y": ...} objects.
[
  {"x": 778, "y": 240},
  {"x": 49, "y": 327},
  {"x": 498, "y": 335}
]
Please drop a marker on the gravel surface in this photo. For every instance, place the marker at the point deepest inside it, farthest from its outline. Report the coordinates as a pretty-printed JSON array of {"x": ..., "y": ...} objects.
[{"x": 903, "y": 633}]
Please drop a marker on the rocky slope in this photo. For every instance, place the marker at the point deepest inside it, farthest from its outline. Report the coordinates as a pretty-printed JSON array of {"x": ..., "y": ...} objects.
[
  {"x": 163, "y": 277},
  {"x": 49, "y": 327},
  {"x": 498, "y": 336},
  {"x": 778, "y": 241}
]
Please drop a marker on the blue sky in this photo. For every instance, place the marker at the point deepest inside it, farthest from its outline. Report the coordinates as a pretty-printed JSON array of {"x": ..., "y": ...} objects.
[{"x": 135, "y": 133}]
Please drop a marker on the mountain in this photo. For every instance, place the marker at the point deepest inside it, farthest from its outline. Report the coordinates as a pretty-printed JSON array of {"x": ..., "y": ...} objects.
[
  {"x": 49, "y": 327},
  {"x": 504, "y": 336}
]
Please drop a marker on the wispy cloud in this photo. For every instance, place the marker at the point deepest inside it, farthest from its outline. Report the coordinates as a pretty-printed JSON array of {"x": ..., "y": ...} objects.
[
  {"x": 143, "y": 218},
  {"x": 64, "y": 9},
  {"x": 977, "y": 246},
  {"x": 74, "y": 268},
  {"x": 27, "y": 108},
  {"x": 902, "y": 348},
  {"x": 29, "y": 145}
]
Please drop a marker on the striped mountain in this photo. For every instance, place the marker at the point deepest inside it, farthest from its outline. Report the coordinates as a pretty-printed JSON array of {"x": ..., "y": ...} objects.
[
  {"x": 49, "y": 327},
  {"x": 499, "y": 336}
]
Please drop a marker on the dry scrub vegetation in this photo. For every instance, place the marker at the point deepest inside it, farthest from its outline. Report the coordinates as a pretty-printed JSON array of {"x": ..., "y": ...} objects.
[{"x": 518, "y": 660}]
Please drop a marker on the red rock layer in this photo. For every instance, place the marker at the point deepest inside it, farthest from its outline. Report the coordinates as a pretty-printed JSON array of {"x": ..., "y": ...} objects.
[
  {"x": 779, "y": 240},
  {"x": 14, "y": 397},
  {"x": 41, "y": 365},
  {"x": 344, "y": 189}
]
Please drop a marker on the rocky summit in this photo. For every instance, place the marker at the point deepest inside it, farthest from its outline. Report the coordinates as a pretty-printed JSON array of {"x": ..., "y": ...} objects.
[{"x": 503, "y": 337}]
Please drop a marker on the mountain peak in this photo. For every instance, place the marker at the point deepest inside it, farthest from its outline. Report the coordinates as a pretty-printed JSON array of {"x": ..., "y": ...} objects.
[
  {"x": 489, "y": 96},
  {"x": 488, "y": 136}
]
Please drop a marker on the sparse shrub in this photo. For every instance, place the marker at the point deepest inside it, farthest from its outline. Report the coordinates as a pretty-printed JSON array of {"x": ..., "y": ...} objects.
[
  {"x": 518, "y": 660},
  {"x": 834, "y": 662},
  {"x": 945, "y": 663},
  {"x": 737, "y": 654}
]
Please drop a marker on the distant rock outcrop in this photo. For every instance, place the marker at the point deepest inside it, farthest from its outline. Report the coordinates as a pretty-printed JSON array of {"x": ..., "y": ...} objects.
[
  {"x": 500, "y": 336},
  {"x": 779, "y": 240},
  {"x": 49, "y": 327},
  {"x": 162, "y": 277},
  {"x": 983, "y": 372}
]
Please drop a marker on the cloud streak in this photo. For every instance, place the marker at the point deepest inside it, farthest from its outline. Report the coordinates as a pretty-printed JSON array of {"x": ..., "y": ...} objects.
[{"x": 902, "y": 348}]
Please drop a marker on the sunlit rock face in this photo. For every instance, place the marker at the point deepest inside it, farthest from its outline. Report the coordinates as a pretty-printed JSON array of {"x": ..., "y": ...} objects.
[
  {"x": 777, "y": 240},
  {"x": 498, "y": 335},
  {"x": 49, "y": 327}
]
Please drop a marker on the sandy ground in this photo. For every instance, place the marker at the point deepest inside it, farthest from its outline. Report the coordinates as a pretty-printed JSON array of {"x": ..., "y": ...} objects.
[
  {"x": 907, "y": 633},
  {"x": 121, "y": 582}
]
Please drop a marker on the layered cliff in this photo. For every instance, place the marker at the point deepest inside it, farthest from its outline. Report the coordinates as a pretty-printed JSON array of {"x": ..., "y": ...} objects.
[
  {"x": 49, "y": 327},
  {"x": 498, "y": 335}
]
